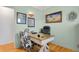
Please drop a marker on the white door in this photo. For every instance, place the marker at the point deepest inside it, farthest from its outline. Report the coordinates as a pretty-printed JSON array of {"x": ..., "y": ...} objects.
[{"x": 6, "y": 25}]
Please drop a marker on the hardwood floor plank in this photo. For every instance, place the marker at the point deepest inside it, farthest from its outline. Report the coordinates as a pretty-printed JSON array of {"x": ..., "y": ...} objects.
[
  {"x": 52, "y": 48},
  {"x": 56, "y": 48},
  {"x": 10, "y": 48}
]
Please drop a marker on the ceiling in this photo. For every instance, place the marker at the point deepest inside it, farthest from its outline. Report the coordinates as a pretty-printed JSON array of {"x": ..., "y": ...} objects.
[
  {"x": 41, "y": 7},
  {"x": 37, "y": 7}
]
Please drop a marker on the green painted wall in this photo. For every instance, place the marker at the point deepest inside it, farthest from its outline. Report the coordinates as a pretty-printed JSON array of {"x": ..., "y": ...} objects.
[
  {"x": 38, "y": 17},
  {"x": 67, "y": 32},
  {"x": 38, "y": 20}
]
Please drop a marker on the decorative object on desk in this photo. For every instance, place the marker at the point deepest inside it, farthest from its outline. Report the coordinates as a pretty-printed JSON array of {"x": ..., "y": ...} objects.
[
  {"x": 31, "y": 22},
  {"x": 54, "y": 17},
  {"x": 21, "y": 18},
  {"x": 72, "y": 16},
  {"x": 38, "y": 35}
]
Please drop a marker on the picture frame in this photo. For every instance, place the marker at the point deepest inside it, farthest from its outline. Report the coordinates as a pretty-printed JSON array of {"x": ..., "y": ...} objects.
[
  {"x": 54, "y": 17},
  {"x": 31, "y": 22},
  {"x": 21, "y": 18}
]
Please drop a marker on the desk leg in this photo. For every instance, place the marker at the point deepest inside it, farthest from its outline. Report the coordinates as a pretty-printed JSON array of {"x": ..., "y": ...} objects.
[{"x": 44, "y": 48}]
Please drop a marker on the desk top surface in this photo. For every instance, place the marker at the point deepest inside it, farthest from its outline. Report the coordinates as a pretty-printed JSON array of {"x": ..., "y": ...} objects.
[{"x": 42, "y": 36}]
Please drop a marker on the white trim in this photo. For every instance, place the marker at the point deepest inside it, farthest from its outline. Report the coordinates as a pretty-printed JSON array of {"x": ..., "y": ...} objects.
[{"x": 7, "y": 43}]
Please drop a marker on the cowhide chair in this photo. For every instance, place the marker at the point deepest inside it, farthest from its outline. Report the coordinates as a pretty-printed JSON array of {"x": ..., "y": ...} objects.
[{"x": 25, "y": 40}]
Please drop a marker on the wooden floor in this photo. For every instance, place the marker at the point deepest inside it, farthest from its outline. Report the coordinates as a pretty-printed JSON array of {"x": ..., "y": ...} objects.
[
  {"x": 10, "y": 48},
  {"x": 52, "y": 48},
  {"x": 57, "y": 48}
]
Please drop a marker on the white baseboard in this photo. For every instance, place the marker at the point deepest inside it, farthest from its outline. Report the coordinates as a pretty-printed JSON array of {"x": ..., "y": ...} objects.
[{"x": 6, "y": 43}]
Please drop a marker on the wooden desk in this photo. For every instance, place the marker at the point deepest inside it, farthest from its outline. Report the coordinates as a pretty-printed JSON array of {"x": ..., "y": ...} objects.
[{"x": 42, "y": 40}]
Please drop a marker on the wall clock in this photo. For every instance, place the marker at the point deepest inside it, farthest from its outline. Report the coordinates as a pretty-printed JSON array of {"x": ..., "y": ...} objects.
[{"x": 72, "y": 16}]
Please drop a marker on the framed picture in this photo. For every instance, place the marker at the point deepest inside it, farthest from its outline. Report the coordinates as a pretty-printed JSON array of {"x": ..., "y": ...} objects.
[
  {"x": 21, "y": 18},
  {"x": 54, "y": 17},
  {"x": 31, "y": 22}
]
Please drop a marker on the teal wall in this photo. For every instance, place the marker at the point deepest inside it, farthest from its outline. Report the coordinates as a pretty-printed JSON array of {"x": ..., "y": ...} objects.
[
  {"x": 38, "y": 17},
  {"x": 38, "y": 20},
  {"x": 67, "y": 32}
]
